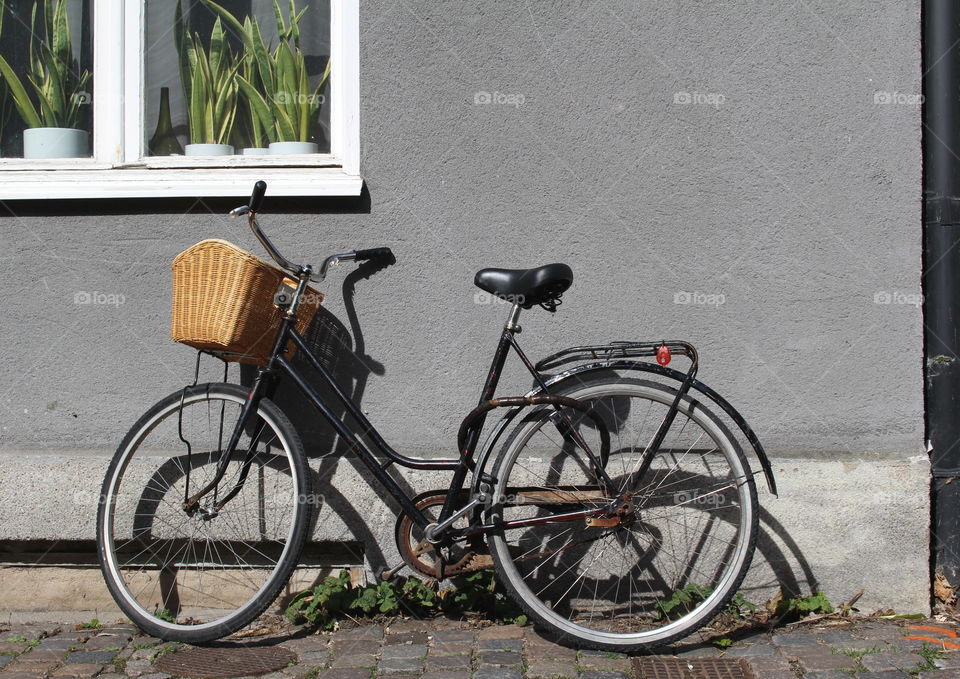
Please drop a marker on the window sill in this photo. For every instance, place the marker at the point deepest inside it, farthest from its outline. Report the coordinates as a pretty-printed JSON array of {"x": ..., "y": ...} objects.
[{"x": 175, "y": 183}]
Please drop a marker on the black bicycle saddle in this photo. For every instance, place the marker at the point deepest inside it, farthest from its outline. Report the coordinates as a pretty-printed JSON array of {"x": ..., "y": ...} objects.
[{"x": 526, "y": 287}]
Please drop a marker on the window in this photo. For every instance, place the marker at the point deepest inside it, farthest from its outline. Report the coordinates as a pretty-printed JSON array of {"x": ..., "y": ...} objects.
[{"x": 191, "y": 98}]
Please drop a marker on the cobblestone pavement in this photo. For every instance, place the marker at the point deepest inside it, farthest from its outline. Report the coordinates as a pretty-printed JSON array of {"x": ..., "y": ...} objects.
[{"x": 446, "y": 649}]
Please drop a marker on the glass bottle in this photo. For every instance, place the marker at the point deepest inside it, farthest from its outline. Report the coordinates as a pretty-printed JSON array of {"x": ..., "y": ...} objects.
[{"x": 164, "y": 142}]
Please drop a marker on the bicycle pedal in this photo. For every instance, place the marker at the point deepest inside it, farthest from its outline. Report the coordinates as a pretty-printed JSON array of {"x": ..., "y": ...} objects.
[{"x": 384, "y": 574}]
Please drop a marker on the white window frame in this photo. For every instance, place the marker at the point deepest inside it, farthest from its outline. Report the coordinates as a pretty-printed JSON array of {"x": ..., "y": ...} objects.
[{"x": 117, "y": 169}]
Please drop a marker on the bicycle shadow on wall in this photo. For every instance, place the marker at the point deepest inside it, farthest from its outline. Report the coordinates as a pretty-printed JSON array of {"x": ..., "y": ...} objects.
[{"x": 342, "y": 351}]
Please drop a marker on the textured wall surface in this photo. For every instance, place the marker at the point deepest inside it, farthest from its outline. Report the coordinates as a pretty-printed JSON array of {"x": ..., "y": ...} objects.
[{"x": 745, "y": 176}]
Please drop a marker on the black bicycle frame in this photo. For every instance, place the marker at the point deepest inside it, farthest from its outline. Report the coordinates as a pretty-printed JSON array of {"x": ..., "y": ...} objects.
[{"x": 279, "y": 363}]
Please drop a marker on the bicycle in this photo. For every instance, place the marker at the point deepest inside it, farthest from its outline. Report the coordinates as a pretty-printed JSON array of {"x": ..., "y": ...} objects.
[{"x": 616, "y": 506}]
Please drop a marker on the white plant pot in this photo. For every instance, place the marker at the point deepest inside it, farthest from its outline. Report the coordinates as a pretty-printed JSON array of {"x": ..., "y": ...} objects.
[
  {"x": 208, "y": 150},
  {"x": 283, "y": 148},
  {"x": 256, "y": 151},
  {"x": 55, "y": 142}
]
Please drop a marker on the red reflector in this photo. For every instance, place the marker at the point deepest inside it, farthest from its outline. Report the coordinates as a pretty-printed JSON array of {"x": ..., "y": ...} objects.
[{"x": 663, "y": 354}]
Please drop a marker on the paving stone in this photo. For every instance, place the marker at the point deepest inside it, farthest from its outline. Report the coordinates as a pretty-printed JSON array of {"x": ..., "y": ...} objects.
[
  {"x": 6, "y": 660},
  {"x": 948, "y": 663},
  {"x": 396, "y": 665},
  {"x": 828, "y": 674},
  {"x": 446, "y": 674},
  {"x": 87, "y": 657},
  {"x": 77, "y": 670},
  {"x": 136, "y": 668},
  {"x": 879, "y": 662},
  {"x": 453, "y": 648},
  {"x": 57, "y": 644},
  {"x": 19, "y": 675},
  {"x": 511, "y": 644},
  {"x": 500, "y": 658},
  {"x": 368, "y": 632},
  {"x": 595, "y": 663},
  {"x": 412, "y": 625},
  {"x": 824, "y": 660},
  {"x": 344, "y": 673},
  {"x": 497, "y": 673},
  {"x": 448, "y": 662},
  {"x": 418, "y": 637},
  {"x": 304, "y": 644},
  {"x": 146, "y": 641},
  {"x": 548, "y": 651},
  {"x": 883, "y": 675},
  {"x": 447, "y": 636},
  {"x": 45, "y": 654},
  {"x": 867, "y": 645},
  {"x": 355, "y": 660},
  {"x": 7, "y": 647},
  {"x": 341, "y": 649},
  {"x": 834, "y": 637},
  {"x": 501, "y": 632},
  {"x": 156, "y": 675},
  {"x": 104, "y": 642},
  {"x": 930, "y": 674},
  {"x": 601, "y": 654},
  {"x": 110, "y": 676},
  {"x": 794, "y": 639},
  {"x": 905, "y": 644},
  {"x": 37, "y": 669},
  {"x": 142, "y": 654},
  {"x": 551, "y": 669},
  {"x": 403, "y": 651},
  {"x": 315, "y": 657},
  {"x": 737, "y": 650},
  {"x": 767, "y": 664},
  {"x": 604, "y": 675}
]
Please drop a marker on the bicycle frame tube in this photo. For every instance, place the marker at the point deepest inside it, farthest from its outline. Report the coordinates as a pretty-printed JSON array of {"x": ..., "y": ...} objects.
[{"x": 266, "y": 377}]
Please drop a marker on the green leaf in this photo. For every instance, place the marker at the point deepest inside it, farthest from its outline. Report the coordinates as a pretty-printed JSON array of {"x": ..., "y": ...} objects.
[
  {"x": 233, "y": 23},
  {"x": 20, "y": 98}
]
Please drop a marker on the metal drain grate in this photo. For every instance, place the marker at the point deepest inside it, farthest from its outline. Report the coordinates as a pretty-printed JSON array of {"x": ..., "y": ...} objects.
[
  {"x": 224, "y": 662},
  {"x": 691, "y": 668}
]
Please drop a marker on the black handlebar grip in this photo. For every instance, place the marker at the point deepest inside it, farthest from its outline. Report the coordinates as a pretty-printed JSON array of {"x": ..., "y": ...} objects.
[
  {"x": 374, "y": 253},
  {"x": 256, "y": 198}
]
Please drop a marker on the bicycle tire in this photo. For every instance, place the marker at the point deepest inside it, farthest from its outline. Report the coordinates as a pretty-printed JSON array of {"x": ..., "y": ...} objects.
[
  {"x": 242, "y": 559},
  {"x": 561, "y": 616}
]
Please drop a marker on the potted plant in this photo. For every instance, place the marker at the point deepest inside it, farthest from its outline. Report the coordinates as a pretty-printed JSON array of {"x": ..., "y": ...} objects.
[
  {"x": 209, "y": 79},
  {"x": 282, "y": 107},
  {"x": 58, "y": 86}
]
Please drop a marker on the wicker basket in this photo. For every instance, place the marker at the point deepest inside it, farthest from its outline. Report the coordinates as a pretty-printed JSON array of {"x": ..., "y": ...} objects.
[{"x": 223, "y": 301}]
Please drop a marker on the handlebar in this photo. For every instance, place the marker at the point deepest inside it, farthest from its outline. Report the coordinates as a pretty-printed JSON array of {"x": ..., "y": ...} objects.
[
  {"x": 256, "y": 198},
  {"x": 251, "y": 209}
]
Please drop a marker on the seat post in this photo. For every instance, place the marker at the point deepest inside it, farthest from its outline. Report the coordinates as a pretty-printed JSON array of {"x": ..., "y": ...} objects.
[{"x": 512, "y": 319}]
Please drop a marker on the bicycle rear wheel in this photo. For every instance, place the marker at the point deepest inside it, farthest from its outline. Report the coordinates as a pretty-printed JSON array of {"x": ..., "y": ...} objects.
[
  {"x": 658, "y": 573},
  {"x": 200, "y": 575}
]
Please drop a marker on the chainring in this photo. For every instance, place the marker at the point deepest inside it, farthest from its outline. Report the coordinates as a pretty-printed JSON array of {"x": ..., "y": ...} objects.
[{"x": 431, "y": 560}]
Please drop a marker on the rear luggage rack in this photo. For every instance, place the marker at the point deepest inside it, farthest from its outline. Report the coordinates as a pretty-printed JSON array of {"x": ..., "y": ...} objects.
[{"x": 618, "y": 350}]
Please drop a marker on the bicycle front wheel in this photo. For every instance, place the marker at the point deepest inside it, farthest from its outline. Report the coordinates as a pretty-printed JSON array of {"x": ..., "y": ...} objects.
[
  {"x": 201, "y": 574},
  {"x": 652, "y": 575}
]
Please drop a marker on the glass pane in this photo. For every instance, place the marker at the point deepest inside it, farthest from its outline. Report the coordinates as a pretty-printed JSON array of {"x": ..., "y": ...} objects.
[
  {"x": 45, "y": 99},
  {"x": 240, "y": 82}
]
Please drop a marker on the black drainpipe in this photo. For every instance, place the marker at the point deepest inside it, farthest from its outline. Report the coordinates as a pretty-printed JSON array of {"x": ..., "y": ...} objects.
[{"x": 941, "y": 274}]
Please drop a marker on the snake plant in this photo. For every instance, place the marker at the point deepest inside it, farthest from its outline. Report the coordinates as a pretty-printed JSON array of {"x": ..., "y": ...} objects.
[
  {"x": 209, "y": 79},
  {"x": 54, "y": 76},
  {"x": 275, "y": 85}
]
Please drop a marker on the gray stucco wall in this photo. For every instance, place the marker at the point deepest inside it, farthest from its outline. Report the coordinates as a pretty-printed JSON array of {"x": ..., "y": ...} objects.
[{"x": 762, "y": 154}]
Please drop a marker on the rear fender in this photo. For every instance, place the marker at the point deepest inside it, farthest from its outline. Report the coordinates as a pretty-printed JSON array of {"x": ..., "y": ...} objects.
[{"x": 483, "y": 457}]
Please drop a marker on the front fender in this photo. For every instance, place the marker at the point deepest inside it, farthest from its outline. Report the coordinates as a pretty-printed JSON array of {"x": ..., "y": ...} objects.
[{"x": 490, "y": 442}]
